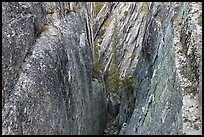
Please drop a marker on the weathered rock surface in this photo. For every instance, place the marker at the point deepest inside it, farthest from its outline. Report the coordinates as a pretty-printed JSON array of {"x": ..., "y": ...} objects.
[
  {"x": 158, "y": 97},
  {"x": 48, "y": 59},
  {"x": 53, "y": 92},
  {"x": 188, "y": 47},
  {"x": 160, "y": 46}
]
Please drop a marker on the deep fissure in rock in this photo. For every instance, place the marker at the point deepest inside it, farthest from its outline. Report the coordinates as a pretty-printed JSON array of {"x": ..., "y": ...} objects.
[{"x": 110, "y": 68}]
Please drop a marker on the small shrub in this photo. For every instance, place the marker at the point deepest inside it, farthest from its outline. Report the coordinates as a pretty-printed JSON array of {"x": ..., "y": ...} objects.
[
  {"x": 125, "y": 13},
  {"x": 97, "y": 72},
  {"x": 114, "y": 73},
  {"x": 76, "y": 8},
  {"x": 128, "y": 85},
  {"x": 115, "y": 41},
  {"x": 113, "y": 79},
  {"x": 97, "y": 67},
  {"x": 159, "y": 8}
]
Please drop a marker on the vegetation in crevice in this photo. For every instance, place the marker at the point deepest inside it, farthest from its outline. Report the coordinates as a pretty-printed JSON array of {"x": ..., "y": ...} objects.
[
  {"x": 115, "y": 41},
  {"x": 101, "y": 33},
  {"x": 113, "y": 79},
  {"x": 127, "y": 83},
  {"x": 145, "y": 9},
  {"x": 97, "y": 8},
  {"x": 125, "y": 13},
  {"x": 133, "y": 56},
  {"x": 114, "y": 73},
  {"x": 97, "y": 67},
  {"x": 44, "y": 28}
]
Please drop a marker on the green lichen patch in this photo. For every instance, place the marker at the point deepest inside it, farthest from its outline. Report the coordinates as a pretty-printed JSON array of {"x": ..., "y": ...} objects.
[{"x": 185, "y": 71}]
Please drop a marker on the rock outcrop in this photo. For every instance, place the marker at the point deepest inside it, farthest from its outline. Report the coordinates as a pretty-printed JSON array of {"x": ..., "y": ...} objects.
[
  {"x": 159, "y": 45},
  {"x": 121, "y": 68},
  {"x": 53, "y": 91}
]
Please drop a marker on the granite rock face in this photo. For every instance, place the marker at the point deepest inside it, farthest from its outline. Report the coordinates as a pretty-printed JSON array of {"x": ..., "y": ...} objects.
[
  {"x": 157, "y": 93},
  {"x": 160, "y": 47},
  {"x": 52, "y": 92},
  {"x": 49, "y": 51}
]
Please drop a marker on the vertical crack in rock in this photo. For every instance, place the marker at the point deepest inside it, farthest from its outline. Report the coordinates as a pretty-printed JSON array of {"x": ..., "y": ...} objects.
[{"x": 107, "y": 68}]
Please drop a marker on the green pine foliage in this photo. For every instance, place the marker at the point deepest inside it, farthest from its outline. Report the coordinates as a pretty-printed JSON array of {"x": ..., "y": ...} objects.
[
  {"x": 128, "y": 85},
  {"x": 97, "y": 67},
  {"x": 113, "y": 79},
  {"x": 114, "y": 73}
]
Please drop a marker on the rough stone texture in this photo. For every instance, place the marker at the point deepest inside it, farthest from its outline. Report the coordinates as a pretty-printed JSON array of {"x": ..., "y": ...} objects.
[
  {"x": 113, "y": 104},
  {"x": 47, "y": 66},
  {"x": 157, "y": 40},
  {"x": 131, "y": 27},
  {"x": 99, "y": 102},
  {"x": 123, "y": 108},
  {"x": 158, "y": 98},
  {"x": 53, "y": 93},
  {"x": 188, "y": 46},
  {"x": 160, "y": 107}
]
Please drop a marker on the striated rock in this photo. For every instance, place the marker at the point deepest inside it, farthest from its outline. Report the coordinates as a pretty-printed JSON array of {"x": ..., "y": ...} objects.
[
  {"x": 123, "y": 108},
  {"x": 159, "y": 99},
  {"x": 99, "y": 102},
  {"x": 113, "y": 104},
  {"x": 147, "y": 60},
  {"x": 148, "y": 46}
]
